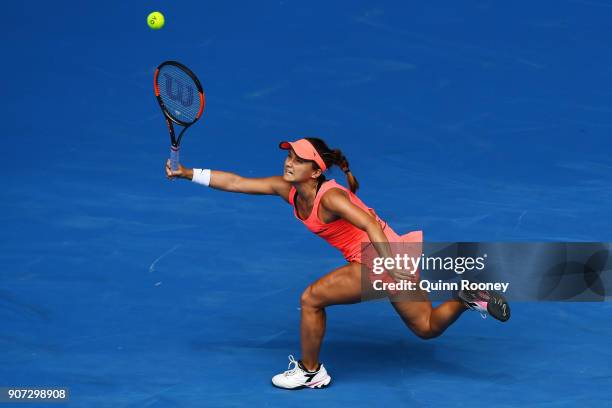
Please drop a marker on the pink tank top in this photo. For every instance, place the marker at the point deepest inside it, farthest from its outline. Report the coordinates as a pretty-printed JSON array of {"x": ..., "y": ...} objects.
[{"x": 340, "y": 234}]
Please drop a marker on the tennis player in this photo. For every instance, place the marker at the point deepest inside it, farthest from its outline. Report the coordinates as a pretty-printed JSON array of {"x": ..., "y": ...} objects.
[{"x": 337, "y": 215}]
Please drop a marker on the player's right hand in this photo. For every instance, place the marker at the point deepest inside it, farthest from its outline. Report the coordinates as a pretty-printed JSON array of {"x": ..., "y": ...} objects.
[
  {"x": 182, "y": 172},
  {"x": 401, "y": 275}
]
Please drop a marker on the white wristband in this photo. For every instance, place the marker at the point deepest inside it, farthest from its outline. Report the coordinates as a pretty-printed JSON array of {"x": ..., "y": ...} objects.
[{"x": 201, "y": 176}]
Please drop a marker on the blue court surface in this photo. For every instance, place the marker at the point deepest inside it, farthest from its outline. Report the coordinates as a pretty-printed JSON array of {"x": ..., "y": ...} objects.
[{"x": 474, "y": 121}]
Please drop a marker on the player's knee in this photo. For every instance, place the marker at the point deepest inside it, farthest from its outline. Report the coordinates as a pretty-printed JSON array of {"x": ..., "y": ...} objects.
[
  {"x": 309, "y": 299},
  {"x": 425, "y": 332}
]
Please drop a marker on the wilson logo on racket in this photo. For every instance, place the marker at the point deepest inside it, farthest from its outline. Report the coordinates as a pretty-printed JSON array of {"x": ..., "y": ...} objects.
[{"x": 178, "y": 93}]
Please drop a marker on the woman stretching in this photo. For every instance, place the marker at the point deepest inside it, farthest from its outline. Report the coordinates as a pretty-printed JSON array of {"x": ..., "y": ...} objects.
[{"x": 337, "y": 215}]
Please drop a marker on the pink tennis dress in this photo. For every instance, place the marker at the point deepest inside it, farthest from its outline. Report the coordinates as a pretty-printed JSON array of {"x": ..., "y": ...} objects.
[{"x": 343, "y": 235}]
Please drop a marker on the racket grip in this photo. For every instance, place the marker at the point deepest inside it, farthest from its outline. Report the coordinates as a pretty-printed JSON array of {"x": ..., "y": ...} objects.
[{"x": 174, "y": 158}]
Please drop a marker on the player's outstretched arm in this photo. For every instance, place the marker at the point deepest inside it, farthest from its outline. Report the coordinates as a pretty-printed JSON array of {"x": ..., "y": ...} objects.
[{"x": 226, "y": 181}]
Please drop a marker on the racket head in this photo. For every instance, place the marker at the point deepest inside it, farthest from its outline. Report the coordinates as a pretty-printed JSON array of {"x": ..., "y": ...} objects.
[{"x": 179, "y": 93}]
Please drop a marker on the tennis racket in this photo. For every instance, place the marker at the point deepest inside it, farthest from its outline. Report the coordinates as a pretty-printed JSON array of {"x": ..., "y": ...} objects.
[{"x": 181, "y": 98}]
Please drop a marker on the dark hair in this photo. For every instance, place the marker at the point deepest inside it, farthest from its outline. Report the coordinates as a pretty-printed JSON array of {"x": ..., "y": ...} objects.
[{"x": 333, "y": 157}]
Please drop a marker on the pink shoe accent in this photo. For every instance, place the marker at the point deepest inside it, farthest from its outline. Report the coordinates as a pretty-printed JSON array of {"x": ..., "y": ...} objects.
[
  {"x": 315, "y": 384},
  {"x": 482, "y": 305}
]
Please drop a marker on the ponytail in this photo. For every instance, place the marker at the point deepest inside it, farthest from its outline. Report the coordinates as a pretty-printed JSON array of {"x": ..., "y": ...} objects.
[
  {"x": 340, "y": 160},
  {"x": 334, "y": 157}
]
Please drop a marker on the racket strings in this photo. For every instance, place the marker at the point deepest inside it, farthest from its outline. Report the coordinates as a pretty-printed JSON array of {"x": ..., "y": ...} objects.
[{"x": 179, "y": 93}]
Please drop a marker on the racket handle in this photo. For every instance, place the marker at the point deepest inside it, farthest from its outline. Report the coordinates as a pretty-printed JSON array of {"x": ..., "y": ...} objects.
[{"x": 174, "y": 158}]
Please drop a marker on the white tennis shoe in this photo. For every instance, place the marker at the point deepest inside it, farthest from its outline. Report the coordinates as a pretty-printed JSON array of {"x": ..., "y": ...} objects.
[{"x": 297, "y": 377}]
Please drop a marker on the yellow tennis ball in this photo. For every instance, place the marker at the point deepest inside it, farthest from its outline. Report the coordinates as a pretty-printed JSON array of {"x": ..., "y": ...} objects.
[{"x": 156, "y": 20}]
